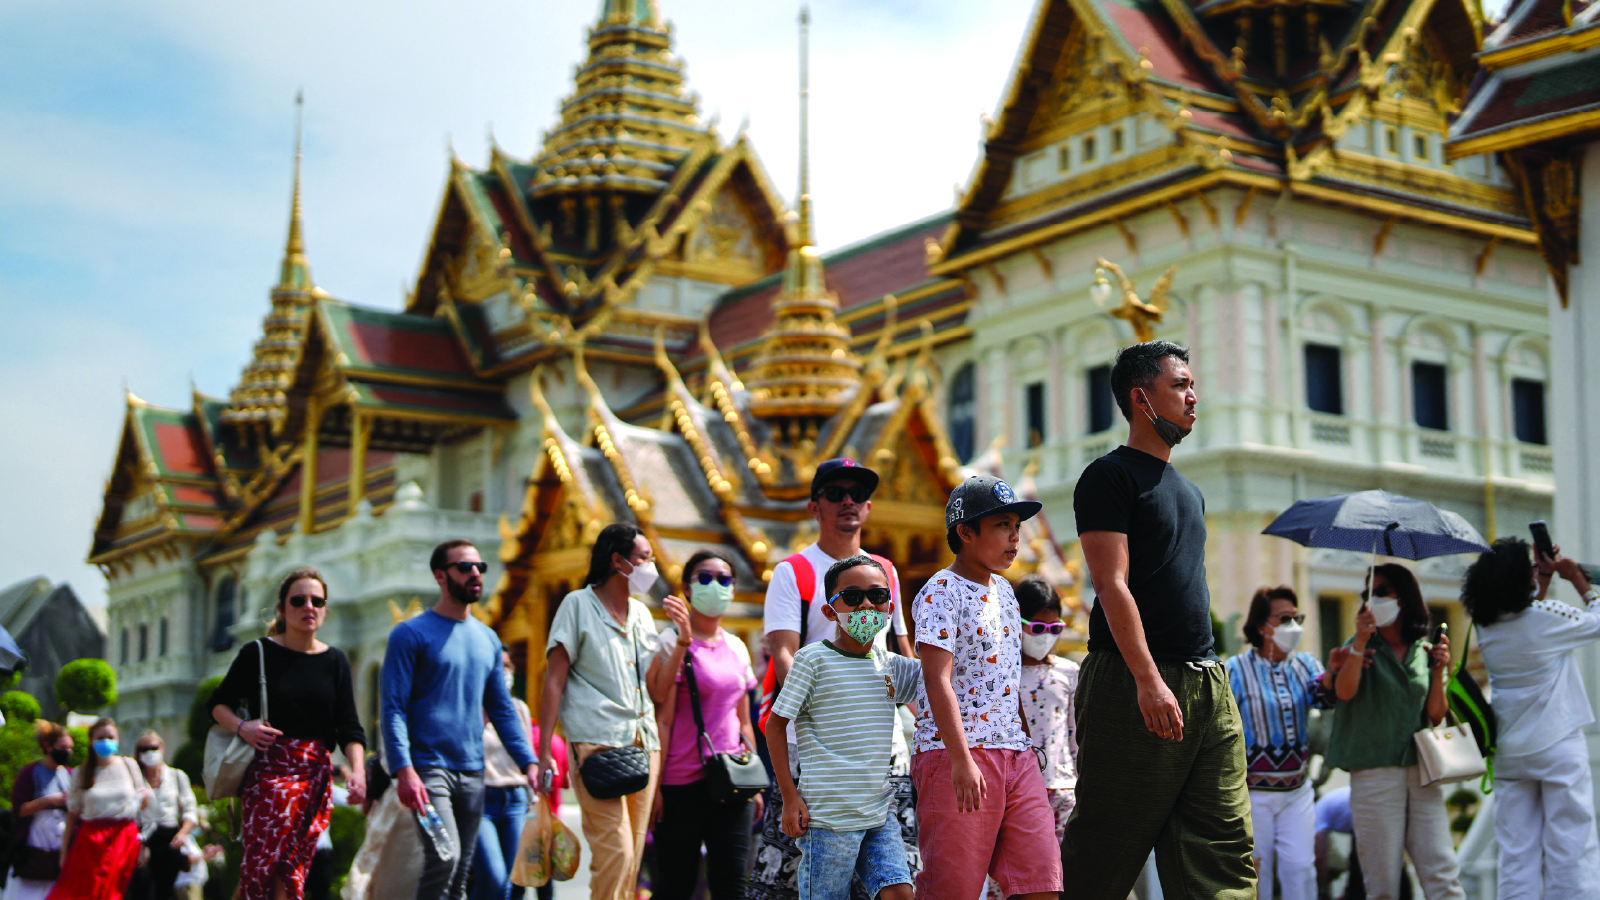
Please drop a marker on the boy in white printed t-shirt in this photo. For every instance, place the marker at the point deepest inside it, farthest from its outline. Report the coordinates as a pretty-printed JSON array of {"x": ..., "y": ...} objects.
[
  {"x": 981, "y": 802},
  {"x": 841, "y": 695}
]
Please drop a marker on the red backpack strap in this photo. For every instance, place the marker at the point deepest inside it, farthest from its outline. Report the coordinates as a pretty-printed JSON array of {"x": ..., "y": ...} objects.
[{"x": 805, "y": 579}]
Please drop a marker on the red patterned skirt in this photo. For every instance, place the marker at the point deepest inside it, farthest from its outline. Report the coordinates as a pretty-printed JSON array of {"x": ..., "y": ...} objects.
[
  {"x": 288, "y": 796},
  {"x": 101, "y": 859}
]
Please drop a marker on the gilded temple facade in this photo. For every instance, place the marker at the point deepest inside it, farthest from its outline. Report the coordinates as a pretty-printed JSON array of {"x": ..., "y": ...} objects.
[{"x": 630, "y": 324}]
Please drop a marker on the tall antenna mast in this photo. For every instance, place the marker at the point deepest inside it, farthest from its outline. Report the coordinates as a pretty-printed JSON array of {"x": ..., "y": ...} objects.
[{"x": 805, "y": 118}]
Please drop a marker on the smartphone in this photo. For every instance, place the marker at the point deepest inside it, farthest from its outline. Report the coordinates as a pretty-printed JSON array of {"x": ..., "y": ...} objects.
[
  {"x": 1541, "y": 539},
  {"x": 1438, "y": 632}
]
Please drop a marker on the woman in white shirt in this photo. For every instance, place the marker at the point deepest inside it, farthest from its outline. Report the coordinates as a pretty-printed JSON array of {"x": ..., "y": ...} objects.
[
  {"x": 164, "y": 824},
  {"x": 1544, "y": 802},
  {"x": 101, "y": 843}
]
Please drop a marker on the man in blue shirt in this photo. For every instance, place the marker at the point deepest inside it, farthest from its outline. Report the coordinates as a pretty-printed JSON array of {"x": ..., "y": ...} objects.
[{"x": 441, "y": 674}]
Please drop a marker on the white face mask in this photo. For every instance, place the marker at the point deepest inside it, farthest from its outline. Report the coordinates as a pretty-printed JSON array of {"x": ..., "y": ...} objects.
[
  {"x": 1038, "y": 646},
  {"x": 1287, "y": 636},
  {"x": 510, "y": 679},
  {"x": 1384, "y": 610},
  {"x": 151, "y": 758},
  {"x": 642, "y": 578}
]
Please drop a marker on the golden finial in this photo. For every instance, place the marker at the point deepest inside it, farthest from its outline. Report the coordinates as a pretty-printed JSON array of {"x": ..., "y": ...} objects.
[
  {"x": 1142, "y": 315},
  {"x": 295, "y": 274}
]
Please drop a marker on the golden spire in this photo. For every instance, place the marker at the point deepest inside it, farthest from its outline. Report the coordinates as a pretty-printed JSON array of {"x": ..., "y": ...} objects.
[
  {"x": 805, "y": 371},
  {"x": 296, "y": 272},
  {"x": 260, "y": 397},
  {"x": 629, "y": 120}
]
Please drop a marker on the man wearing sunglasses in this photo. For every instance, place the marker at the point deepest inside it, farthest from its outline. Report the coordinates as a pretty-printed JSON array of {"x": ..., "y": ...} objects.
[
  {"x": 441, "y": 674},
  {"x": 841, "y": 492}
]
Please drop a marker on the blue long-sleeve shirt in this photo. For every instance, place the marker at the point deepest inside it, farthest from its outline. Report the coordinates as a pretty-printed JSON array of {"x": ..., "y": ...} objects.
[{"x": 439, "y": 678}]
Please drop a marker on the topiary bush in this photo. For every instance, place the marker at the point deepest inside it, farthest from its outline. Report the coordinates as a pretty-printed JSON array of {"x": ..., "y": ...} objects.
[
  {"x": 19, "y": 706},
  {"x": 85, "y": 685}
]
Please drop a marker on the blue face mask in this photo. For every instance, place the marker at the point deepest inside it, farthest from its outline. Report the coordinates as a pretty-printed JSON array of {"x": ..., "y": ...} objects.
[{"x": 105, "y": 748}]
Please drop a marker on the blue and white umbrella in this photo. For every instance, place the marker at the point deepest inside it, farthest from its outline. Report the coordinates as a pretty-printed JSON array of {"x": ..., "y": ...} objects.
[
  {"x": 12, "y": 658},
  {"x": 1377, "y": 522}
]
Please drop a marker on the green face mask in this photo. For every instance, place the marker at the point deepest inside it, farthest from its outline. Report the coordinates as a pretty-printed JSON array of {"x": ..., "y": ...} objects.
[{"x": 711, "y": 599}]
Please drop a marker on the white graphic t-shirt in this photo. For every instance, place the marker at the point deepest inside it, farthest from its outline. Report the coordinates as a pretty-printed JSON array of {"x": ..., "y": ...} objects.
[{"x": 980, "y": 625}]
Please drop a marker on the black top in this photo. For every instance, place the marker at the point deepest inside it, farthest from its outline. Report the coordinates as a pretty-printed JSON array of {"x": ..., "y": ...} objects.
[
  {"x": 310, "y": 696},
  {"x": 1164, "y": 516}
]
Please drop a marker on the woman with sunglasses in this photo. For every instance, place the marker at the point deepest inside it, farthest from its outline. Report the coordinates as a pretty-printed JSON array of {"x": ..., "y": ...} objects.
[
  {"x": 687, "y": 815},
  {"x": 1390, "y": 685},
  {"x": 288, "y": 788},
  {"x": 1276, "y": 688},
  {"x": 1048, "y": 684}
]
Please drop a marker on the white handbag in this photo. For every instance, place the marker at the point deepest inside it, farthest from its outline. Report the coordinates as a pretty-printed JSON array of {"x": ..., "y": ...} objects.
[
  {"x": 227, "y": 754},
  {"x": 1448, "y": 753}
]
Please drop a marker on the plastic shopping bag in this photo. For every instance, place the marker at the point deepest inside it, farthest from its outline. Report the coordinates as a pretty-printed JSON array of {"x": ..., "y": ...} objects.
[
  {"x": 532, "y": 867},
  {"x": 565, "y": 851}
]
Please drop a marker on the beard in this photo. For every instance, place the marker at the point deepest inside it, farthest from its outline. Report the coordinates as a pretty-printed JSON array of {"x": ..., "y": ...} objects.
[{"x": 463, "y": 593}]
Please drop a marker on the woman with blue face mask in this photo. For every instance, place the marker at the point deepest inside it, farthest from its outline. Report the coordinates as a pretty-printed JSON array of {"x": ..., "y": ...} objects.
[
  {"x": 689, "y": 817},
  {"x": 101, "y": 843}
]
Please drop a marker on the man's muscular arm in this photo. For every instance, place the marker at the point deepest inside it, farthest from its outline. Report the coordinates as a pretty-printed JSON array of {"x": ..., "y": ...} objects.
[{"x": 1106, "y": 552}]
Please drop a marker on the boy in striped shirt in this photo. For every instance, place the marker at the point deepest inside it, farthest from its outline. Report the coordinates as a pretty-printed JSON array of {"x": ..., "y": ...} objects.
[{"x": 841, "y": 696}]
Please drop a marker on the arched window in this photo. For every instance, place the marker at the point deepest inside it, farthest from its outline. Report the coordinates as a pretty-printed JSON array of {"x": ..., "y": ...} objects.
[
  {"x": 222, "y": 634},
  {"x": 961, "y": 409}
]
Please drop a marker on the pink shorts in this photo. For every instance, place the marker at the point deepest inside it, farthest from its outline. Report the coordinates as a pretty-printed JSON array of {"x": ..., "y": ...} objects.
[{"x": 1011, "y": 836}]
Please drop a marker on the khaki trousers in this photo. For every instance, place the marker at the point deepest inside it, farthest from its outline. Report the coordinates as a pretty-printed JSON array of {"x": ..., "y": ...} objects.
[
  {"x": 1392, "y": 812},
  {"x": 615, "y": 829}
]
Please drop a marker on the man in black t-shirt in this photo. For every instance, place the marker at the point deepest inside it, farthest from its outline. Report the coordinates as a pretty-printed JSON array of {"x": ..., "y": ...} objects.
[{"x": 1160, "y": 749}]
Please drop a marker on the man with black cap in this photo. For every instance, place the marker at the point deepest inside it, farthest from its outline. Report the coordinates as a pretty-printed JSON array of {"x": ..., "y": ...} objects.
[
  {"x": 841, "y": 491},
  {"x": 1161, "y": 750}
]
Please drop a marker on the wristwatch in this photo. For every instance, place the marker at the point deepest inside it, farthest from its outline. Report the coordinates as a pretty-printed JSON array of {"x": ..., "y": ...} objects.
[{"x": 1591, "y": 595}]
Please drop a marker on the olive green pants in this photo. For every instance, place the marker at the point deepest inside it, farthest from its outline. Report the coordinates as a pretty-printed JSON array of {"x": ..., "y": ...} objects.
[{"x": 1186, "y": 799}]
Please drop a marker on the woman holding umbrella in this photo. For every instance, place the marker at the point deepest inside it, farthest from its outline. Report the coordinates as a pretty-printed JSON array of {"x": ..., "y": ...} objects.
[{"x": 1390, "y": 684}]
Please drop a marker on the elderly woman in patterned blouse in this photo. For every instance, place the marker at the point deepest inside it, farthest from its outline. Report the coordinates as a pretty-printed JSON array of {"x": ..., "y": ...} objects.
[{"x": 1276, "y": 687}]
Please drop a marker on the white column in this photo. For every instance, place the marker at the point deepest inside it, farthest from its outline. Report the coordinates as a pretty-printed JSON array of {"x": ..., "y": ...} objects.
[{"x": 1574, "y": 411}]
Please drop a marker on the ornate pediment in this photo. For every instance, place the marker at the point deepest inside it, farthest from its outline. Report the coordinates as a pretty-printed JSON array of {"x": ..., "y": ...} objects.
[{"x": 726, "y": 236}]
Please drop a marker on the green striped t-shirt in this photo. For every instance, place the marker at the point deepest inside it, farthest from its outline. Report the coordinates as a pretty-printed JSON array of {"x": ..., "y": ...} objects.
[{"x": 843, "y": 709}]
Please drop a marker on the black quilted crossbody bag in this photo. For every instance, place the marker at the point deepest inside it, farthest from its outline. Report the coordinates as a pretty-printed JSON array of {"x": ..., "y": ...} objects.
[
  {"x": 618, "y": 771},
  {"x": 730, "y": 777}
]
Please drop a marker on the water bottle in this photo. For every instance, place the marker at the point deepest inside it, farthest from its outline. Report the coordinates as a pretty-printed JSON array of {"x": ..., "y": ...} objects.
[{"x": 433, "y": 827}]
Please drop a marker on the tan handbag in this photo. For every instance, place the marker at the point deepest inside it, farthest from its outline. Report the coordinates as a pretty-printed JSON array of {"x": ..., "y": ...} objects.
[
  {"x": 228, "y": 754},
  {"x": 1448, "y": 753}
]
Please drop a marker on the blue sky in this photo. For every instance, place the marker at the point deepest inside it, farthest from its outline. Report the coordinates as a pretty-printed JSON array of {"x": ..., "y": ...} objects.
[{"x": 146, "y": 149}]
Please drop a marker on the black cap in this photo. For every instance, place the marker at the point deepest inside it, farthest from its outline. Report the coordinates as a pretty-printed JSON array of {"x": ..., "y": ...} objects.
[
  {"x": 983, "y": 495},
  {"x": 843, "y": 467}
]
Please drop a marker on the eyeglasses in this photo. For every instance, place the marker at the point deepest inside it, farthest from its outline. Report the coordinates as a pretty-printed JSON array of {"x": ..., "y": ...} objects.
[
  {"x": 1382, "y": 590},
  {"x": 707, "y": 578},
  {"x": 1044, "y": 627},
  {"x": 854, "y": 597},
  {"x": 466, "y": 567},
  {"x": 1286, "y": 618},
  {"x": 835, "y": 493},
  {"x": 299, "y": 600}
]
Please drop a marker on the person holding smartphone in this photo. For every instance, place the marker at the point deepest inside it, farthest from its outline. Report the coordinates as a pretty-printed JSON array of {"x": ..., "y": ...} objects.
[
  {"x": 1544, "y": 799},
  {"x": 1389, "y": 685}
]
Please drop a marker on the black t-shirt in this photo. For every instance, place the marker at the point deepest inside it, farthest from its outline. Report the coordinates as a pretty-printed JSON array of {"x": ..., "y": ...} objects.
[
  {"x": 310, "y": 696},
  {"x": 1163, "y": 514}
]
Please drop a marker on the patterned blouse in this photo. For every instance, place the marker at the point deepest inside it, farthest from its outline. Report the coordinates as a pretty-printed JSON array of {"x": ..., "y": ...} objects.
[
  {"x": 1047, "y": 702},
  {"x": 1275, "y": 700}
]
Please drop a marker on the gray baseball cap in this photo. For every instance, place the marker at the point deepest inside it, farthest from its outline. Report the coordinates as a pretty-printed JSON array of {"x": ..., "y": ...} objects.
[{"x": 983, "y": 495}]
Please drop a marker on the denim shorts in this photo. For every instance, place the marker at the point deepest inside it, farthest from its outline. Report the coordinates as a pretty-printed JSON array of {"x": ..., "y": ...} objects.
[{"x": 827, "y": 858}]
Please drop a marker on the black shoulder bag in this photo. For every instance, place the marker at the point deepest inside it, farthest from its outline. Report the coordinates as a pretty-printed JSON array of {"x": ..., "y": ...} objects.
[
  {"x": 618, "y": 771},
  {"x": 730, "y": 777}
]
